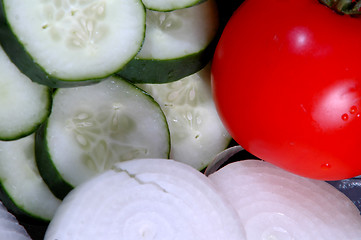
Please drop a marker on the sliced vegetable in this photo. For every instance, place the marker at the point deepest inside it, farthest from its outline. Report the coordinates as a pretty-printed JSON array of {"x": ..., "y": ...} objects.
[
  {"x": 146, "y": 199},
  {"x": 24, "y": 105},
  {"x": 10, "y": 227},
  {"x": 169, "y": 5},
  {"x": 23, "y": 191},
  {"x": 177, "y": 44},
  {"x": 66, "y": 43},
  {"x": 197, "y": 133},
  {"x": 92, "y": 127},
  {"x": 275, "y": 204}
]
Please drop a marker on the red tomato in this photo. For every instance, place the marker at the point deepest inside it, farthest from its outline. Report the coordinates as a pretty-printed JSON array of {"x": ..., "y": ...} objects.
[{"x": 287, "y": 85}]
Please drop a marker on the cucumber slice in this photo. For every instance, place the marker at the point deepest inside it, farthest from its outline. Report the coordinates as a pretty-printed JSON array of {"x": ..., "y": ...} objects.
[
  {"x": 197, "y": 133},
  {"x": 63, "y": 43},
  {"x": 170, "y": 5},
  {"x": 24, "y": 105},
  {"x": 177, "y": 44},
  {"x": 23, "y": 191},
  {"x": 92, "y": 127}
]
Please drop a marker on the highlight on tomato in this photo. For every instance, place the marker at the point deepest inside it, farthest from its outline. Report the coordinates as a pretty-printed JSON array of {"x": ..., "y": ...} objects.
[{"x": 286, "y": 79}]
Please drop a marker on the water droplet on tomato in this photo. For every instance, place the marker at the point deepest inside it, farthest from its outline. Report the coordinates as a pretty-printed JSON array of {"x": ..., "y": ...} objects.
[
  {"x": 358, "y": 115},
  {"x": 344, "y": 117},
  {"x": 353, "y": 109},
  {"x": 326, "y": 166}
]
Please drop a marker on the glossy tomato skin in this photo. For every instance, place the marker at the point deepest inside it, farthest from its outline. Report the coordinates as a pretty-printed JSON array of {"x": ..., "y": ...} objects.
[{"x": 286, "y": 80}]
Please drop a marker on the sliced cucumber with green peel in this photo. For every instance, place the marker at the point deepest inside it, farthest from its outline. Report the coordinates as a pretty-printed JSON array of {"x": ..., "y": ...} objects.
[
  {"x": 23, "y": 191},
  {"x": 177, "y": 44},
  {"x": 75, "y": 42},
  {"x": 197, "y": 133},
  {"x": 93, "y": 127},
  {"x": 169, "y": 5},
  {"x": 24, "y": 105}
]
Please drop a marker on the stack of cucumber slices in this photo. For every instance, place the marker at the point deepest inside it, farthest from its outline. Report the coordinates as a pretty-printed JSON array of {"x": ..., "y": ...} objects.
[
  {"x": 86, "y": 84},
  {"x": 77, "y": 42}
]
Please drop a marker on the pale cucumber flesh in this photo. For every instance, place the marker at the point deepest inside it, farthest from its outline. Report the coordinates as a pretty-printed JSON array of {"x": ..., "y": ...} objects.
[
  {"x": 93, "y": 127},
  {"x": 175, "y": 34},
  {"x": 20, "y": 180},
  {"x": 24, "y": 105},
  {"x": 169, "y": 5},
  {"x": 77, "y": 39},
  {"x": 197, "y": 133},
  {"x": 176, "y": 44}
]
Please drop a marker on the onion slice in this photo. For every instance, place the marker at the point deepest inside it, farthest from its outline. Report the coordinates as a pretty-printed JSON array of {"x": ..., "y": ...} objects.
[
  {"x": 10, "y": 227},
  {"x": 146, "y": 199},
  {"x": 275, "y": 204}
]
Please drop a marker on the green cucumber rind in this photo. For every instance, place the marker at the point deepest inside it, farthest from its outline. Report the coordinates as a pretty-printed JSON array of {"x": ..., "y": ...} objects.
[
  {"x": 26, "y": 64},
  {"x": 23, "y": 60},
  {"x": 48, "y": 171},
  {"x": 18, "y": 211},
  {"x": 151, "y": 98},
  {"x": 166, "y": 70},
  {"x": 194, "y": 3},
  {"x": 31, "y": 129}
]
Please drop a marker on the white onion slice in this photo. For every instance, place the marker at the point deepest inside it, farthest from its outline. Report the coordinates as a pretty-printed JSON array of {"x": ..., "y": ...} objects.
[
  {"x": 275, "y": 204},
  {"x": 146, "y": 199},
  {"x": 10, "y": 227}
]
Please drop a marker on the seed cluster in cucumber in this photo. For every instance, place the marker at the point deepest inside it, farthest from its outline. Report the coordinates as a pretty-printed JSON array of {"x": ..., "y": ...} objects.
[
  {"x": 70, "y": 108},
  {"x": 197, "y": 133},
  {"x": 177, "y": 44},
  {"x": 93, "y": 127},
  {"x": 68, "y": 42}
]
